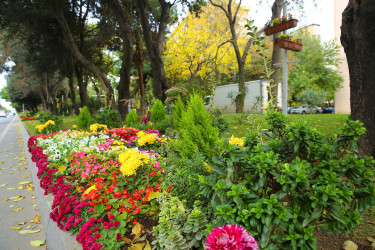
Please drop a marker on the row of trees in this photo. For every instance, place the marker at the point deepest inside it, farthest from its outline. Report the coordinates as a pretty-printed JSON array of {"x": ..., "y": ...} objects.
[{"x": 58, "y": 46}]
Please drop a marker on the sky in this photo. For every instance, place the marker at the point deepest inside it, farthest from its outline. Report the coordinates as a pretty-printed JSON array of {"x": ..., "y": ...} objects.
[{"x": 321, "y": 15}]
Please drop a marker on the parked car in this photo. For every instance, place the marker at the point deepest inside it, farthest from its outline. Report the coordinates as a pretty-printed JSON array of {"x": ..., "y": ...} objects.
[
  {"x": 290, "y": 109},
  {"x": 3, "y": 113},
  {"x": 318, "y": 109},
  {"x": 304, "y": 109},
  {"x": 329, "y": 110}
]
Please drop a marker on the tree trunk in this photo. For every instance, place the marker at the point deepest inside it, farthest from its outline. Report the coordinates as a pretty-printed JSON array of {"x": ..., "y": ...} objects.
[
  {"x": 358, "y": 39},
  {"x": 154, "y": 48},
  {"x": 139, "y": 64},
  {"x": 89, "y": 65},
  {"x": 277, "y": 51},
  {"x": 73, "y": 94},
  {"x": 123, "y": 21},
  {"x": 82, "y": 87}
]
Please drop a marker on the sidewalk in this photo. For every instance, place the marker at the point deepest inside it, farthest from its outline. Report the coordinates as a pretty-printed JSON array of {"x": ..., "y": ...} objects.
[{"x": 34, "y": 203}]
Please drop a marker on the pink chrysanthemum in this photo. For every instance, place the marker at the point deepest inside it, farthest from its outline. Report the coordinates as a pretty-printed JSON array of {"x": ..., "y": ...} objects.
[{"x": 230, "y": 237}]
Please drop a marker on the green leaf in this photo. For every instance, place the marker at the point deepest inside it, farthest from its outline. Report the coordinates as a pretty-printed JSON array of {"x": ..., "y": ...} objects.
[
  {"x": 99, "y": 208},
  {"x": 29, "y": 231}
]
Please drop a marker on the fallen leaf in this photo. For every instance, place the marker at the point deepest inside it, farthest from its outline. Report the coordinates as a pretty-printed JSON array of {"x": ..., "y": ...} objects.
[
  {"x": 17, "y": 198},
  {"x": 23, "y": 182},
  {"x": 147, "y": 247},
  {"x": 370, "y": 239},
  {"x": 127, "y": 240},
  {"x": 2, "y": 162},
  {"x": 11, "y": 206},
  {"x": 3, "y": 185},
  {"x": 17, "y": 209},
  {"x": 29, "y": 187},
  {"x": 33, "y": 197},
  {"x": 137, "y": 228},
  {"x": 29, "y": 226},
  {"x": 20, "y": 187},
  {"x": 29, "y": 231},
  {"x": 36, "y": 219},
  {"x": 153, "y": 195},
  {"x": 11, "y": 188},
  {"x": 34, "y": 205},
  {"x": 6, "y": 199},
  {"x": 137, "y": 246},
  {"x": 16, "y": 228},
  {"x": 22, "y": 223},
  {"x": 37, "y": 243}
]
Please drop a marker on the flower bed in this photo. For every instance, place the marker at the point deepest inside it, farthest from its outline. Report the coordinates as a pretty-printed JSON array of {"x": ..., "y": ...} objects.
[{"x": 103, "y": 189}]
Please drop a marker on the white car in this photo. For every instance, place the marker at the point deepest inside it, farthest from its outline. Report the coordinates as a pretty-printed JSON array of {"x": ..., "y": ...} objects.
[
  {"x": 3, "y": 113},
  {"x": 305, "y": 109}
]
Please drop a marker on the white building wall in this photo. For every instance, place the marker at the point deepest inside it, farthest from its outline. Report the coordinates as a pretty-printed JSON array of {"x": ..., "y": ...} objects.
[{"x": 342, "y": 97}]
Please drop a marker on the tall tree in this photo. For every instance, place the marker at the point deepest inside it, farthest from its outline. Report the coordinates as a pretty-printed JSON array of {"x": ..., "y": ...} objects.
[
  {"x": 358, "y": 39},
  {"x": 231, "y": 11},
  {"x": 154, "y": 41},
  {"x": 316, "y": 72}
]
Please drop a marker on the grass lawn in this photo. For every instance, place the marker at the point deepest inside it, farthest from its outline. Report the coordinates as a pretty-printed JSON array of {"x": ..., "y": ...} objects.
[{"x": 239, "y": 124}]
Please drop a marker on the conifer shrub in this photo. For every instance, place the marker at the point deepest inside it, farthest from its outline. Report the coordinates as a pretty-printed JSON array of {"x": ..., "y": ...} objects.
[
  {"x": 131, "y": 118},
  {"x": 157, "y": 111},
  {"x": 84, "y": 119},
  {"x": 197, "y": 132},
  {"x": 178, "y": 110},
  {"x": 109, "y": 117}
]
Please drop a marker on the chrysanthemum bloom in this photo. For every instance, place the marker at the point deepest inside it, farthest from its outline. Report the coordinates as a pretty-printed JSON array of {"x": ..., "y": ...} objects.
[
  {"x": 230, "y": 237},
  {"x": 236, "y": 141}
]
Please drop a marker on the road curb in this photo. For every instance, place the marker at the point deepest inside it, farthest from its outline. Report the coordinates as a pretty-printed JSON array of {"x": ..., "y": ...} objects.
[{"x": 56, "y": 239}]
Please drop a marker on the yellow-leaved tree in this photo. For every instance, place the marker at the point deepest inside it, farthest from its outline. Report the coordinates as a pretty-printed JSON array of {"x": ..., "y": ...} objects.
[{"x": 198, "y": 49}]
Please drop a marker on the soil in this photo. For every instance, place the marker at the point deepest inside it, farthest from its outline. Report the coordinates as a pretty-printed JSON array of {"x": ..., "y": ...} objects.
[{"x": 336, "y": 241}]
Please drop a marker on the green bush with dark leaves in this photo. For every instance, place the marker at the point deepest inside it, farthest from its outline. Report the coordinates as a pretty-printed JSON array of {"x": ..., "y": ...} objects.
[
  {"x": 282, "y": 184},
  {"x": 108, "y": 117}
]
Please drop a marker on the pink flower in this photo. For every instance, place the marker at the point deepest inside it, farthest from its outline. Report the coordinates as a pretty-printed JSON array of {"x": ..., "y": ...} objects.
[
  {"x": 111, "y": 217},
  {"x": 230, "y": 237}
]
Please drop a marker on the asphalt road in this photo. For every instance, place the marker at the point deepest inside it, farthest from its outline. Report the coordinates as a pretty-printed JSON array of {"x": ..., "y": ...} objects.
[{"x": 23, "y": 205}]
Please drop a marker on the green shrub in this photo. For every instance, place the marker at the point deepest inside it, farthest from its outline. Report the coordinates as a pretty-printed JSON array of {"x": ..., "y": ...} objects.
[
  {"x": 280, "y": 187},
  {"x": 197, "y": 132},
  {"x": 109, "y": 117},
  {"x": 178, "y": 110},
  {"x": 157, "y": 111},
  {"x": 163, "y": 125},
  {"x": 131, "y": 118},
  {"x": 178, "y": 228},
  {"x": 58, "y": 120},
  {"x": 218, "y": 121},
  {"x": 84, "y": 119}
]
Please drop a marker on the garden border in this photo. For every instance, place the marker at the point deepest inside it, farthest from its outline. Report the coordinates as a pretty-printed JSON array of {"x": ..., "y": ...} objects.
[{"x": 56, "y": 239}]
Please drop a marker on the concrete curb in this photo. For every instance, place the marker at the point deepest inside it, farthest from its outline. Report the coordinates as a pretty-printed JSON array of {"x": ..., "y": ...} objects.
[{"x": 56, "y": 239}]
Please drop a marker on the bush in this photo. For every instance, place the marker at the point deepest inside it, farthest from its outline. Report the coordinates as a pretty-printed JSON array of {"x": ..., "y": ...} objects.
[
  {"x": 163, "y": 125},
  {"x": 178, "y": 110},
  {"x": 109, "y": 117},
  {"x": 218, "y": 121},
  {"x": 58, "y": 120},
  {"x": 131, "y": 118},
  {"x": 84, "y": 119},
  {"x": 157, "y": 111},
  {"x": 294, "y": 181},
  {"x": 197, "y": 131}
]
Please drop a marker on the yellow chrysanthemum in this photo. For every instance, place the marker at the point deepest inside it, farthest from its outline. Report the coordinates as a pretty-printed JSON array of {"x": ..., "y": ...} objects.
[
  {"x": 131, "y": 160},
  {"x": 98, "y": 127},
  {"x": 236, "y": 141},
  {"x": 89, "y": 189}
]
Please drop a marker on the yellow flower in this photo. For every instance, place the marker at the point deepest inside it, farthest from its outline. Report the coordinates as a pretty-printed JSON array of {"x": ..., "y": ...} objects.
[
  {"x": 89, "y": 189},
  {"x": 236, "y": 141},
  {"x": 131, "y": 160},
  {"x": 150, "y": 123},
  {"x": 207, "y": 167},
  {"x": 97, "y": 127},
  {"x": 74, "y": 126},
  {"x": 146, "y": 138}
]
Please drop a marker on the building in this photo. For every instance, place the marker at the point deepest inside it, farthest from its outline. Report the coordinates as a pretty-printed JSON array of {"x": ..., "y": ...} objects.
[{"x": 342, "y": 97}]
